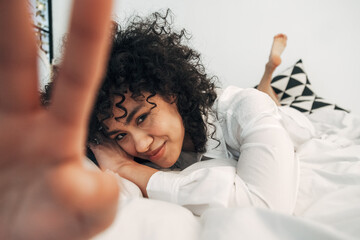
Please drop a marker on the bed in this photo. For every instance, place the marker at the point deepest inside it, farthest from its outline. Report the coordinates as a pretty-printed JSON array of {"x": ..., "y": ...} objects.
[{"x": 328, "y": 198}]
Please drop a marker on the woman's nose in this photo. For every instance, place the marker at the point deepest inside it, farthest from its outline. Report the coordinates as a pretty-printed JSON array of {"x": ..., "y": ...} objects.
[{"x": 142, "y": 141}]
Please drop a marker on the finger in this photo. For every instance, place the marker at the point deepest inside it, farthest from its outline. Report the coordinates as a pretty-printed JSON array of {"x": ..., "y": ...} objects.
[
  {"x": 18, "y": 58},
  {"x": 84, "y": 60}
]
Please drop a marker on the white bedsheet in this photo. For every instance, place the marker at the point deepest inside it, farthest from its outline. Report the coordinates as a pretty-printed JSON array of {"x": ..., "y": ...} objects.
[{"x": 328, "y": 202}]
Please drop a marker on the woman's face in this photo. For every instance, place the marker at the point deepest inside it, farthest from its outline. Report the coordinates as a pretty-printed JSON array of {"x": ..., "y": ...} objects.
[{"x": 147, "y": 132}]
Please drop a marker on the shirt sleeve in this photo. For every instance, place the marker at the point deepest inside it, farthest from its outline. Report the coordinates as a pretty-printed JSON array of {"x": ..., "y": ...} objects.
[
  {"x": 267, "y": 162},
  {"x": 203, "y": 185}
]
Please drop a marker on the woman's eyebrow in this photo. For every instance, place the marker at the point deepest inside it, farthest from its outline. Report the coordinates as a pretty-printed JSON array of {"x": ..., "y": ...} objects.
[
  {"x": 128, "y": 118},
  {"x": 112, "y": 132},
  {"x": 132, "y": 114}
]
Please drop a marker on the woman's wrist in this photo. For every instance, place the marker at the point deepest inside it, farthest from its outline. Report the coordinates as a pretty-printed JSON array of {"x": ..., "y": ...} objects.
[
  {"x": 125, "y": 167},
  {"x": 136, "y": 173}
]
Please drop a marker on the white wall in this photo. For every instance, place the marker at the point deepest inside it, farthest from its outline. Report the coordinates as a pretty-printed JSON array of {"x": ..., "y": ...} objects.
[{"x": 235, "y": 37}]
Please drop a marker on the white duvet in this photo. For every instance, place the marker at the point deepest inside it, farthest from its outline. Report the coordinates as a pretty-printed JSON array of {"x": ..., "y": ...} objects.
[{"x": 327, "y": 206}]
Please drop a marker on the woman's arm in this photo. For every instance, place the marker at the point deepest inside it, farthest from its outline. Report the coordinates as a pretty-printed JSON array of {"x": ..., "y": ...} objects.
[
  {"x": 137, "y": 173},
  {"x": 266, "y": 160},
  {"x": 110, "y": 156},
  {"x": 204, "y": 185}
]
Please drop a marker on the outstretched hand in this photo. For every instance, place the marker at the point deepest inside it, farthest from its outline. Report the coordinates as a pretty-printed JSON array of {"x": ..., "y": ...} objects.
[{"x": 45, "y": 193}]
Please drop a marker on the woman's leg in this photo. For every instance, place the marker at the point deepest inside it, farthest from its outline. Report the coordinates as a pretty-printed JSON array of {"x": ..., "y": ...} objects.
[{"x": 277, "y": 48}]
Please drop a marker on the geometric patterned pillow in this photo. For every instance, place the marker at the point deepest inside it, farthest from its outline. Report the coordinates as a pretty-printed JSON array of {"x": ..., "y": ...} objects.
[{"x": 294, "y": 89}]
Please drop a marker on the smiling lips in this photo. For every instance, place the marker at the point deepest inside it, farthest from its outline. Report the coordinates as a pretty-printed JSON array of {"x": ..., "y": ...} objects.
[{"x": 157, "y": 153}]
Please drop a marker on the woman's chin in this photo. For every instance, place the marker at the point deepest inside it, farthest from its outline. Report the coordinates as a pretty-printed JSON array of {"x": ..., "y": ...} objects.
[{"x": 166, "y": 163}]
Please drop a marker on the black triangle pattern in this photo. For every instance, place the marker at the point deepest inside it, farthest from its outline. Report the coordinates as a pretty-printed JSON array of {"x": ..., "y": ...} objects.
[
  {"x": 276, "y": 90},
  {"x": 301, "y": 100},
  {"x": 288, "y": 98},
  {"x": 341, "y": 109},
  {"x": 317, "y": 105},
  {"x": 307, "y": 92},
  {"x": 296, "y": 70},
  {"x": 300, "y": 109},
  {"x": 278, "y": 78},
  {"x": 293, "y": 83},
  {"x": 307, "y": 81},
  {"x": 285, "y": 95}
]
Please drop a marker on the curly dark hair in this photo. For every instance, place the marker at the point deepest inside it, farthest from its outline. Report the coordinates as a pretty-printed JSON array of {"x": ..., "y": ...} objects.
[{"x": 148, "y": 55}]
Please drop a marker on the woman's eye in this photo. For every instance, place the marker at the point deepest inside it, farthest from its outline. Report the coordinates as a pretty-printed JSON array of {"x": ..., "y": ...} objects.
[
  {"x": 142, "y": 118},
  {"x": 120, "y": 136}
]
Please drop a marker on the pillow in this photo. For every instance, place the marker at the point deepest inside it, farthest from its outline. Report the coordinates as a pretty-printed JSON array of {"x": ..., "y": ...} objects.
[{"x": 294, "y": 90}]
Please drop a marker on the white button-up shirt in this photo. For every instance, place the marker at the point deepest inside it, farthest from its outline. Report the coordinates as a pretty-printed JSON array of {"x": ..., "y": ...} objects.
[{"x": 254, "y": 165}]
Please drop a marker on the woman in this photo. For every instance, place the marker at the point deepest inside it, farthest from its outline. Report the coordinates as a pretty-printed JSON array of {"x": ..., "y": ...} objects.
[{"x": 157, "y": 108}]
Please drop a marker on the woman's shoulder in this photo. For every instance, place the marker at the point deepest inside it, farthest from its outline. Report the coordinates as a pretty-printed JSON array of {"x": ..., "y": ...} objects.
[
  {"x": 246, "y": 100},
  {"x": 238, "y": 108}
]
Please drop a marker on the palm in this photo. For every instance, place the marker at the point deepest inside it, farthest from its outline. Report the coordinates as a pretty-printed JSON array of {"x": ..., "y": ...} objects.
[
  {"x": 44, "y": 190},
  {"x": 37, "y": 132}
]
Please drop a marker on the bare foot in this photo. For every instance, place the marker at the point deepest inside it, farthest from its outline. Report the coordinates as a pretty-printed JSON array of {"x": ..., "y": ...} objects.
[{"x": 277, "y": 49}]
